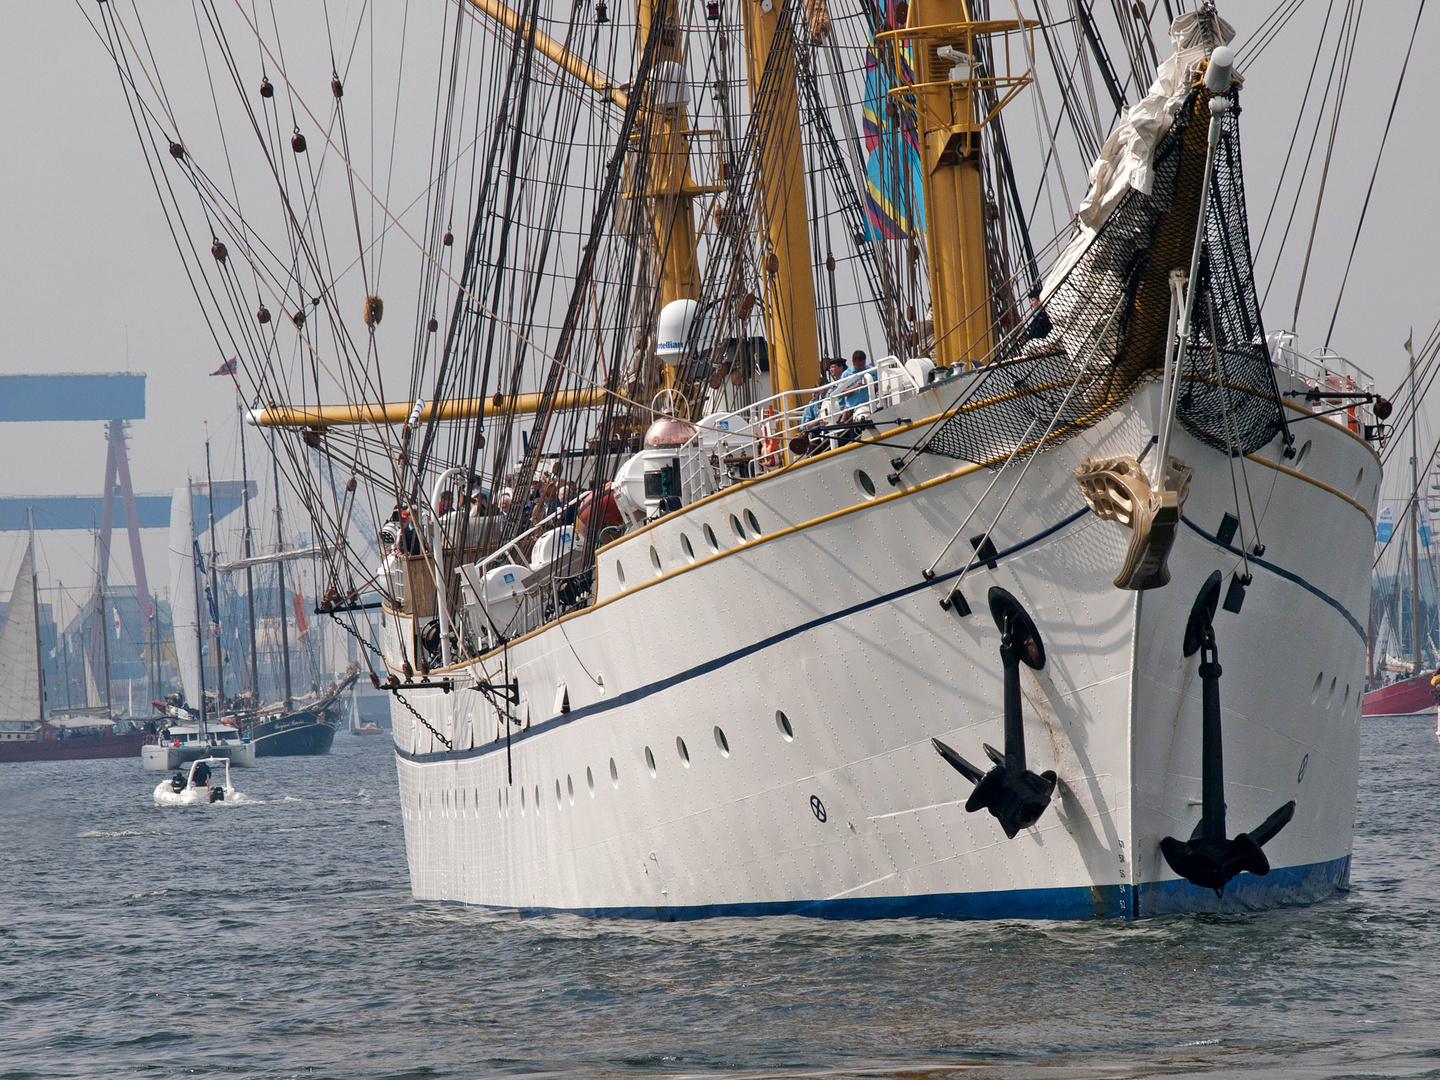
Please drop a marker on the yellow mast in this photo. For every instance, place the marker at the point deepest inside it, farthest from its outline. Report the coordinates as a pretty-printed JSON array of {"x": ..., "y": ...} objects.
[
  {"x": 784, "y": 222},
  {"x": 948, "y": 102},
  {"x": 668, "y": 182}
]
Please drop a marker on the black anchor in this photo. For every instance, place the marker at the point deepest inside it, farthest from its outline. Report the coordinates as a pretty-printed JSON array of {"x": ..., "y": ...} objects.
[
  {"x": 1011, "y": 792},
  {"x": 1208, "y": 859}
]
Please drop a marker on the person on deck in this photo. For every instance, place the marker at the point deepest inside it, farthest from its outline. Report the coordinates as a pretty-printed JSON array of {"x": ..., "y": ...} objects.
[
  {"x": 811, "y": 414},
  {"x": 856, "y": 384}
]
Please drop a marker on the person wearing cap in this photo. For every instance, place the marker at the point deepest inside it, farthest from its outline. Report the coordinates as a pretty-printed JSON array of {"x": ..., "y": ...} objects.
[{"x": 811, "y": 414}]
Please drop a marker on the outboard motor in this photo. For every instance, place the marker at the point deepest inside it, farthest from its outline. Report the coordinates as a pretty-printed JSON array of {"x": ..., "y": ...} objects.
[
  {"x": 1015, "y": 796},
  {"x": 1208, "y": 859},
  {"x": 217, "y": 794}
]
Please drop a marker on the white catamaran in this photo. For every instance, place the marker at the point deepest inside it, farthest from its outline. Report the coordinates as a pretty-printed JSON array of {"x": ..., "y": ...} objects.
[{"x": 1056, "y": 610}]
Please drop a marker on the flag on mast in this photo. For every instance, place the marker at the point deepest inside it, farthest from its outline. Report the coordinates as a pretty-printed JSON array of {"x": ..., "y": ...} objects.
[
  {"x": 1409, "y": 342},
  {"x": 229, "y": 367}
]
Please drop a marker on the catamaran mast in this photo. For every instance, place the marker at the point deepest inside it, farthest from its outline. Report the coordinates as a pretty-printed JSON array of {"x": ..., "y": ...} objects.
[
  {"x": 280, "y": 577},
  {"x": 214, "y": 585},
  {"x": 35, "y": 595}
]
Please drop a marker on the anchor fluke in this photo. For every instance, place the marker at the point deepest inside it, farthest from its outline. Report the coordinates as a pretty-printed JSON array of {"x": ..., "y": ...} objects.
[
  {"x": 1014, "y": 795},
  {"x": 1208, "y": 859},
  {"x": 963, "y": 767}
]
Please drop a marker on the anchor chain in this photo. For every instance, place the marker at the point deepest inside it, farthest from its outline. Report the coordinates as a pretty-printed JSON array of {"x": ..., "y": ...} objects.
[
  {"x": 415, "y": 713},
  {"x": 353, "y": 633}
]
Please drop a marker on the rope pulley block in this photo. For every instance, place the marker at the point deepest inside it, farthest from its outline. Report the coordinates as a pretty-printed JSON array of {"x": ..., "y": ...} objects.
[
  {"x": 177, "y": 150},
  {"x": 336, "y": 87},
  {"x": 1015, "y": 796},
  {"x": 218, "y": 249},
  {"x": 266, "y": 89},
  {"x": 602, "y": 15},
  {"x": 432, "y": 325},
  {"x": 297, "y": 142},
  {"x": 1117, "y": 489},
  {"x": 262, "y": 315},
  {"x": 448, "y": 238},
  {"x": 1208, "y": 859},
  {"x": 374, "y": 310},
  {"x": 298, "y": 317}
]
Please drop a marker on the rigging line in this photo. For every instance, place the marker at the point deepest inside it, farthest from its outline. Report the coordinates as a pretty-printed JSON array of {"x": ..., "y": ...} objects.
[
  {"x": 1329, "y": 152},
  {"x": 128, "y": 85},
  {"x": 1330, "y": 79},
  {"x": 1370, "y": 190},
  {"x": 1295, "y": 134},
  {"x": 1025, "y": 469},
  {"x": 519, "y": 335}
]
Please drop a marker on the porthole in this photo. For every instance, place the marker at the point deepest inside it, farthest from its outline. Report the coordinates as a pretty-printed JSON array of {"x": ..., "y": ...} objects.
[
  {"x": 737, "y": 528},
  {"x": 650, "y": 761},
  {"x": 590, "y": 780},
  {"x": 614, "y": 775},
  {"x": 1315, "y": 690},
  {"x": 683, "y": 751},
  {"x": 1304, "y": 451},
  {"x": 710, "y": 538},
  {"x": 655, "y": 560},
  {"x": 722, "y": 743},
  {"x": 559, "y": 798},
  {"x": 783, "y": 723},
  {"x": 685, "y": 544},
  {"x": 619, "y": 573},
  {"x": 752, "y": 521},
  {"x": 864, "y": 483},
  {"x": 570, "y": 788}
]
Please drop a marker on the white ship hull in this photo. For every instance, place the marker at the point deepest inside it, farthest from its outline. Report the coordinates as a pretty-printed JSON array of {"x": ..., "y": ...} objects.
[{"x": 826, "y": 618}]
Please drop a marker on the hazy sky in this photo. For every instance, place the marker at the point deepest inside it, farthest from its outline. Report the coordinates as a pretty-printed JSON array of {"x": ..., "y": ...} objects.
[{"x": 90, "y": 280}]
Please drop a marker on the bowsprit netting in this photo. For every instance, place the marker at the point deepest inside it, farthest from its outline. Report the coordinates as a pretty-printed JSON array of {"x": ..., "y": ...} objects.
[
  {"x": 1103, "y": 326},
  {"x": 1229, "y": 399}
]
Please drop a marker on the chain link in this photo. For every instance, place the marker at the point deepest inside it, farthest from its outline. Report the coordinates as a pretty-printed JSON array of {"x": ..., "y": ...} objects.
[{"x": 401, "y": 698}]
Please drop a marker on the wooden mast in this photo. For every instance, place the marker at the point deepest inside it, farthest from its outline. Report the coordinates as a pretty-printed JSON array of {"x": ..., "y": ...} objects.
[{"x": 948, "y": 102}]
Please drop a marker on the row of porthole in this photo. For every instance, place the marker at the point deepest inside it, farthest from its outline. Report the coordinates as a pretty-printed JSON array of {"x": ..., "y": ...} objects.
[
  {"x": 722, "y": 744},
  {"x": 745, "y": 531},
  {"x": 1330, "y": 694}
]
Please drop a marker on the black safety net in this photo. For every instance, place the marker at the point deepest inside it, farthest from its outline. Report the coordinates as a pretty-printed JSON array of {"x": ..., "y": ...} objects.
[{"x": 1102, "y": 328}]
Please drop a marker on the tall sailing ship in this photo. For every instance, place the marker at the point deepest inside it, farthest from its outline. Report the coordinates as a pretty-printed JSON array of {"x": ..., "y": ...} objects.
[{"x": 1053, "y": 607}]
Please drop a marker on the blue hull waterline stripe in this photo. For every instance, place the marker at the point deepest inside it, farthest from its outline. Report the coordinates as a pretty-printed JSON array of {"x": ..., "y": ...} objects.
[
  {"x": 1283, "y": 885},
  {"x": 639, "y": 693},
  {"x": 1280, "y": 571}
]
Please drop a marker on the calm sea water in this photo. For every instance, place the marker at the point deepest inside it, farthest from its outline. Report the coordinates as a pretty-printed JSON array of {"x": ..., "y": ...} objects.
[{"x": 279, "y": 939}]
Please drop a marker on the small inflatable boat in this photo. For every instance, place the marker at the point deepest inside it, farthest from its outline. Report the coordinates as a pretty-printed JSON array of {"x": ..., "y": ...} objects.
[{"x": 206, "y": 781}]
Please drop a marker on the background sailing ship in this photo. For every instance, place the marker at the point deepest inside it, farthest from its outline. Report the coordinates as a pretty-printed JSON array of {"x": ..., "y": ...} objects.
[{"x": 622, "y": 516}]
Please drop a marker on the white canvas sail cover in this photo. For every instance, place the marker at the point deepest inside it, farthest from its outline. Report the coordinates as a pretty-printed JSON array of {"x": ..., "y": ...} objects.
[
  {"x": 19, "y": 649},
  {"x": 184, "y": 608}
]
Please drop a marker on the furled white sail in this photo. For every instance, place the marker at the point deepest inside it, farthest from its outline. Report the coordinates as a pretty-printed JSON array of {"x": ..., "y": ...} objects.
[
  {"x": 184, "y": 609},
  {"x": 19, "y": 648}
]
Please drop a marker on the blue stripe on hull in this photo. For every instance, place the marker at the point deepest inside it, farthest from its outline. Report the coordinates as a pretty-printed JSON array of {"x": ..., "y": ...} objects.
[{"x": 1285, "y": 886}]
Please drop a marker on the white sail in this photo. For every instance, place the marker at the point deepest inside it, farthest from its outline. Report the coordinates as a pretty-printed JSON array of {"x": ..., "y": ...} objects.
[
  {"x": 19, "y": 648},
  {"x": 184, "y": 609}
]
